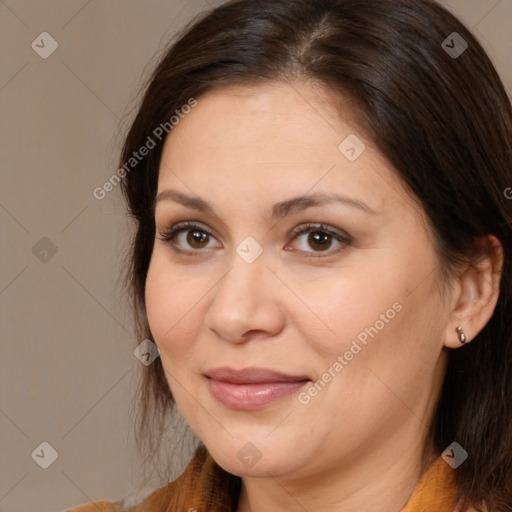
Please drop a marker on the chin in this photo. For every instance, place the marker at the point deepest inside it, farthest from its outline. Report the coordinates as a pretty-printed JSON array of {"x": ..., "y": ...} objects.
[{"x": 253, "y": 459}]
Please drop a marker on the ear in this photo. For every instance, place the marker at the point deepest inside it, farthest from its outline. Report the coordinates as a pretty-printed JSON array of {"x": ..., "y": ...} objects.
[{"x": 475, "y": 293}]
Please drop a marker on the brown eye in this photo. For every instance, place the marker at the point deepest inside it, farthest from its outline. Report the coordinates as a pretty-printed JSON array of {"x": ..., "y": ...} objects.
[
  {"x": 319, "y": 240},
  {"x": 197, "y": 239},
  {"x": 187, "y": 237}
]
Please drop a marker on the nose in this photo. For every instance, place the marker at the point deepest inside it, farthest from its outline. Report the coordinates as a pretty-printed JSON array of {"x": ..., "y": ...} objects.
[{"x": 246, "y": 303}]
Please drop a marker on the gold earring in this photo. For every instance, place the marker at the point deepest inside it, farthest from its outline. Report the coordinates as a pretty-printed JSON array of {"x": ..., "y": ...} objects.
[{"x": 462, "y": 336}]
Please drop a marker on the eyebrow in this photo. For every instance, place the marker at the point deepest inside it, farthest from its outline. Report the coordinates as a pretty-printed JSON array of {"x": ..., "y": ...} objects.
[{"x": 277, "y": 211}]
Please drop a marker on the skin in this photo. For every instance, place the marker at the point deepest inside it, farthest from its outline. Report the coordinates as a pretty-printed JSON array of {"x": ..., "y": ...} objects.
[{"x": 357, "y": 445}]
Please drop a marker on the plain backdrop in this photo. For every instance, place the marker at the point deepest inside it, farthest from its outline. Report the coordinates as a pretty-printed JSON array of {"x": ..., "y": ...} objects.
[{"x": 67, "y": 364}]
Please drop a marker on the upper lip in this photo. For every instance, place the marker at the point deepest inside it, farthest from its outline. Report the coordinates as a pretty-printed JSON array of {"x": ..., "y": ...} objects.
[{"x": 251, "y": 375}]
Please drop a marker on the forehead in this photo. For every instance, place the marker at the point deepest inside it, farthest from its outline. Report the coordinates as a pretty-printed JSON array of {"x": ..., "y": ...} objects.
[
  {"x": 273, "y": 139},
  {"x": 248, "y": 117},
  {"x": 278, "y": 122}
]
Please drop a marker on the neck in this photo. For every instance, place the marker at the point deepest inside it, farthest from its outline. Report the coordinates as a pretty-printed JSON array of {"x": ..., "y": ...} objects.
[{"x": 381, "y": 481}]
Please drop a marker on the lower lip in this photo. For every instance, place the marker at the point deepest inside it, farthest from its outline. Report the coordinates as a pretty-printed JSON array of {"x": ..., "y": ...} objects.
[{"x": 251, "y": 396}]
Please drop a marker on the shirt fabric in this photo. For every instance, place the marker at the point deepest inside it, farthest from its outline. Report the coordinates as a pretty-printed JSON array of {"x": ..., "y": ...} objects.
[{"x": 205, "y": 487}]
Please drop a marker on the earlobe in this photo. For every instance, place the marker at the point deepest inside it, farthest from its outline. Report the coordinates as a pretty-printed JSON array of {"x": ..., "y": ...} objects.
[{"x": 476, "y": 294}]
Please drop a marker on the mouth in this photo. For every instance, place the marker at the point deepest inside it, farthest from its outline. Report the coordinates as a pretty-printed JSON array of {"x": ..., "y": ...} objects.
[{"x": 251, "y": 388}]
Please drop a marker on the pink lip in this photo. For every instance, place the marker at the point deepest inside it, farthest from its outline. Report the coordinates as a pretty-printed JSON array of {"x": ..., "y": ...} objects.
[{"x": 251, "y": 388}]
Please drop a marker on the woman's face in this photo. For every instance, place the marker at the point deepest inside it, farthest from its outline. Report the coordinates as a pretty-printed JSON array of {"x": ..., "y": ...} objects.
[{"x": 308, "y": 271}]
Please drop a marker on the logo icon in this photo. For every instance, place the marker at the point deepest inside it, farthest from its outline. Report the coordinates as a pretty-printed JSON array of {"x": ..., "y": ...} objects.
[
  {"x": 146, "y": 352},
  {"x": 454, "y": 455},
  {"x": 352, "y": 147},
  {"x": 249, "y": 249},
  {"x": 454, "y": 45},
  {"x": 44, "y": 250},
  {"x": 44, "y": 45},
  {"x": 249, "y": 455},
  {"x": 45, "y": 455}
]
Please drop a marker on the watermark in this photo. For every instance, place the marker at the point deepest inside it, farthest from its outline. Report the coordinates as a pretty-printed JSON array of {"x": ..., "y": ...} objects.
[
  {"x": 249, "y": 249},
  {"x": 304, "y": 397},
  {"x": 249, "y": 454},
  {"x": 508, "y": 193},
  {"x": 454, "y": 45},
  {"x": 146, "y": 352},
  {"x": 454, "y": 455},
  {"x": 158, "y": 133},
  {"x": 44, "y": 250},
  {"x": 45, "y": 455},
  {"x": 352, "y": 147},
  {"x": 44, "y": 45}
]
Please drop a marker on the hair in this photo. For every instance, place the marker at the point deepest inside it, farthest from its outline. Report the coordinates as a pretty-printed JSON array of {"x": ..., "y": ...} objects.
[{"x": 445, "y": 125}]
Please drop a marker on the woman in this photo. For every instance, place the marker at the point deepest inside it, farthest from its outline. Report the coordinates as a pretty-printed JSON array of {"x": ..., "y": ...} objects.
[{"x": 323, "y": 259}]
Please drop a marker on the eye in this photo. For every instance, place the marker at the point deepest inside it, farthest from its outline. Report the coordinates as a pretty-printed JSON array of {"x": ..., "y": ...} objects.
[
  {"x": 187, "y": 237},
  {"x": 320, "y": 238}
]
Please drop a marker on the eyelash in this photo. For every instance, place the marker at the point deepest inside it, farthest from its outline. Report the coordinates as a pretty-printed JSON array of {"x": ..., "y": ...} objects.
[{"x": 168, "y": 235}]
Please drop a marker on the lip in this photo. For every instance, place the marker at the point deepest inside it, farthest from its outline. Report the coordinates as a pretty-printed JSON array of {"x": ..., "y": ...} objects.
[{"x": 251, "y": 388}]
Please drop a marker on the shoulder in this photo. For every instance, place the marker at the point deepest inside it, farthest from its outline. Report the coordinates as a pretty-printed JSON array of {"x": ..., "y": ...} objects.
[
  {"x": 133, "y": 502},
  {"x": 137, "y": 502},
  {"x": 481, "y": 508},
  {"x": 202, "y": 484},
  {"x": 97, "y": 506}
]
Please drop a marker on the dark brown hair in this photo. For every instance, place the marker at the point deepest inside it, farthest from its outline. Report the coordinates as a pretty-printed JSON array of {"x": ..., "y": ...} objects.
[{"x": 443, "y": 121}]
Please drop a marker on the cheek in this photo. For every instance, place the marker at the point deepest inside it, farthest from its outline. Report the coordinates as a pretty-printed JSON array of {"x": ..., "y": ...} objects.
[
  {"x": 386, "y": 317},
  {"x": 390, "y": 343},
  {"x": 347, "y": 306},
  {"x": 172, "y": 305}
]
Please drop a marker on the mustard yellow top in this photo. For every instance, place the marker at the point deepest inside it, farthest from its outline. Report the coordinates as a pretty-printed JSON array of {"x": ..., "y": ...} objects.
[{"x": 205, "y": 487}]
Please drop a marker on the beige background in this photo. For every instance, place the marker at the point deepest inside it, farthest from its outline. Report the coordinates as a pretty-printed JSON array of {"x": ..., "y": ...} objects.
[{"x": 67, "y": 363}]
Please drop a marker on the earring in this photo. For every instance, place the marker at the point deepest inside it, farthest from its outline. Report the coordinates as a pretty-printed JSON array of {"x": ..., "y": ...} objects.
[{"x": 462, "y": 336}]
